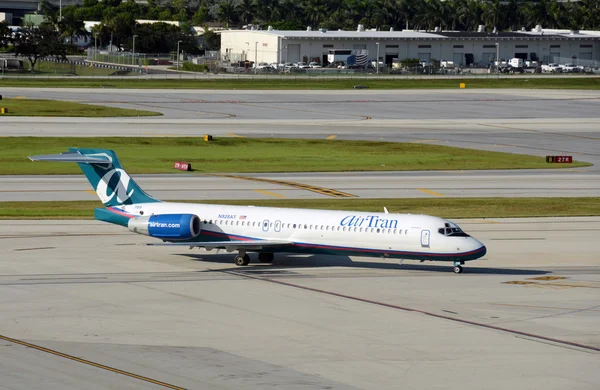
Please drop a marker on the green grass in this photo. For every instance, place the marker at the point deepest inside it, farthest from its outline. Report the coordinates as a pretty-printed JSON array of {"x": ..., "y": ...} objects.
[
  {"x": 157, "y": 154},
  {"x": 33, "y": 107},
  {"x": 303, "y": 83},
  {"x": 445, "y": 208}
]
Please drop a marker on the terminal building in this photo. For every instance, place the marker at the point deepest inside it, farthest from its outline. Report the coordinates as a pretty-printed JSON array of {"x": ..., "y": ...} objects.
[{"x": 477, "y": 49}]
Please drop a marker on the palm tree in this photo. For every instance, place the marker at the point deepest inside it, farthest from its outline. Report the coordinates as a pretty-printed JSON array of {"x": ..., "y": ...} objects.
[
  {"x": 245, "y": 9},
  {"x": 492, "y": 14},
  {"x": 226, "y": 12}
]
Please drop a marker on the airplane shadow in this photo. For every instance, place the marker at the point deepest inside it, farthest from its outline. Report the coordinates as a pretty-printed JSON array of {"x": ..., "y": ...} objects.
[{"x": 288, "y": 262}]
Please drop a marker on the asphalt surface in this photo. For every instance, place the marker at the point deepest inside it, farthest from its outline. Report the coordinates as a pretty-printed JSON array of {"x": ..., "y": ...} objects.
[
  {"x": 190, "y": 186},
  {"x": 537, "y": 122},
  {"x": 85, "y": 307}
]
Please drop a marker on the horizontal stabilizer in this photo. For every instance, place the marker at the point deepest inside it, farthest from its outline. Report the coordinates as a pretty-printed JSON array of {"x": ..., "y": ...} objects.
[
  {"x": 75, "y": 157},
  {"x": 233, "y": 245}
]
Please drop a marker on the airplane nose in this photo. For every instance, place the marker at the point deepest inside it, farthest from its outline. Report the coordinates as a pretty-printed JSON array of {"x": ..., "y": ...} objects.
[{"x": 480, "y": 249}]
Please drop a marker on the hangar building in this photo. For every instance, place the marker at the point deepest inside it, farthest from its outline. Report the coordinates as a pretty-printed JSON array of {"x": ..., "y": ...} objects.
[{"x": 462, "y": 47}]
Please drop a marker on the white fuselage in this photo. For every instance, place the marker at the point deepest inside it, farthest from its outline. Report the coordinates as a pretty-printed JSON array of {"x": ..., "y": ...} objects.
[{"x": 371, "y": 234}]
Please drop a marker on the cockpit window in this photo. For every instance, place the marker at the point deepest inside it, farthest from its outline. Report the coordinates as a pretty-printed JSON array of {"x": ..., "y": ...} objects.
[{"x": 452, "y": 231}]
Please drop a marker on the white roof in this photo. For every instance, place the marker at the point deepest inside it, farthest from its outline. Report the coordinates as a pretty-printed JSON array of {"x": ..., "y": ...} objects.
[{"x": 316, "y": 34}]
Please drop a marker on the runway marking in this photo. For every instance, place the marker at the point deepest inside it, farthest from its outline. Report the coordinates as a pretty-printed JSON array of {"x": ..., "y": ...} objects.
[
  {"x": 548, "y": 278},
  {"x": 35, "y": 249},
  {"x": 430, "y": 192},
  {"x": 20, "y": 97},
  {"x": 560, "y": 285},
  {"x": 424, "y": 312},
  {"x": 90, "y": 192},
  {"x": 276, "y": 195},
  {"x": 236, "y": 135},
  {"x": 90, "y": 363},
  {"x": 332, "y": 136},
  {"x": 319, "y": 190}
]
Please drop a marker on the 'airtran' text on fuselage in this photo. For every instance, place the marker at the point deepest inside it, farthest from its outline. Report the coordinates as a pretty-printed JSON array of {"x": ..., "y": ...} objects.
[
  {"x": 226, "y": 216},
  {"x": 369, "y": 221}
]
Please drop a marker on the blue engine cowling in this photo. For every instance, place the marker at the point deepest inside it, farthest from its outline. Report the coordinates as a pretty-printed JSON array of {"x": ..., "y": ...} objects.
[{"x": 167, "y": 226}]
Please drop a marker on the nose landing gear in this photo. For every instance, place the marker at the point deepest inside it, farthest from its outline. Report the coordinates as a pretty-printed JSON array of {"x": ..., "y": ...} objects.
[{"x": 457, "y": 267}]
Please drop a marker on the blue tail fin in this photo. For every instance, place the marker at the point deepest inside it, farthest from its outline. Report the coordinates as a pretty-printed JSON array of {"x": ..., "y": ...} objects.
[{"x": 103, "y": 170}]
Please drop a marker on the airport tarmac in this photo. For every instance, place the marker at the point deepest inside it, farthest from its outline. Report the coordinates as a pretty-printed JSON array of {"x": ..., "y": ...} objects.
[
  {"x": 197, "y": 186},
  {"x": 85, "y": 307},
  {"x": 537, "y": 122}
]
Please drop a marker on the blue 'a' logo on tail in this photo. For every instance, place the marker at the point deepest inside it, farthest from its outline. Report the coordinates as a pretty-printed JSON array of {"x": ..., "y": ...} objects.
[{"x": 112, "y": 184}]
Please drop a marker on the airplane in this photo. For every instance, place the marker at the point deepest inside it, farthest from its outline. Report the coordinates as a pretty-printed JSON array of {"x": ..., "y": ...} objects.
[{"x": 267, "y": 230}]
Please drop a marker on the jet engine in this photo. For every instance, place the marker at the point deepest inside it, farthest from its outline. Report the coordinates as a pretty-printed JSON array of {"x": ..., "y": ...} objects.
[{"x": 167, "y": 226}]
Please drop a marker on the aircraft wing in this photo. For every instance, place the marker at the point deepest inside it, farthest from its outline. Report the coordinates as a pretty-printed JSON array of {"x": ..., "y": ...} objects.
[{"x": 251, "y": 245}]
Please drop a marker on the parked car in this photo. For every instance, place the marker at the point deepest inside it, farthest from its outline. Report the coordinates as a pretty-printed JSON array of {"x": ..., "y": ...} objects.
[
  {"x": 570, "y": 68},
  {"x": 314, "y": 65},
  {"x": 551, "y": 68}
]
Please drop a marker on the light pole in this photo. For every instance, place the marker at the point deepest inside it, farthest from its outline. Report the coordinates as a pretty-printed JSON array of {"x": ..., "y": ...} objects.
[
  {"x": 377, "y": 43},
  {"x": 59, "y": 10},
  {"x": 178, "y": 42},
  {"x": 255, "y": 56},
  {"x": 133, "y": 51},
  {"x": 498, "y": 57},
  {"x": 95, "y": 45}
]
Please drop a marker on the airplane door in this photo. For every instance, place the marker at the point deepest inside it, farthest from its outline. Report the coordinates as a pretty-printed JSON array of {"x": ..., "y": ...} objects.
[
  {"x": 265, "y": 225},
  {"x": 277, "y": 226},
  {"x": 425, "y": 238}
]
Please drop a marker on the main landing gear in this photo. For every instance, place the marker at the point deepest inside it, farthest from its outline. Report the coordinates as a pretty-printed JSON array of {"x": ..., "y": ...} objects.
[
  {"x": 242, "y": 259},
  {"x": 265, "y": 257},
  {"x": 457, "y": 267}
]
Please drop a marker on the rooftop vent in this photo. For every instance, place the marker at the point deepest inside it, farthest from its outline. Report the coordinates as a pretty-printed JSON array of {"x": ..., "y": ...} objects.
[
  {"x": 573, "y": 32},
  {"x": 360, "y": 28},
  {"x": 538, "y": 28},
  {"x": 308, "y": 28},
  {"x": 270, "y": 28},
  {"x": 391, "y": 28},
  {"x": 437, "y": 29},
  {"x": 323, "y": 30},
  {"x": 523, "y": 29},
  {"x": 481, "y": 28}
]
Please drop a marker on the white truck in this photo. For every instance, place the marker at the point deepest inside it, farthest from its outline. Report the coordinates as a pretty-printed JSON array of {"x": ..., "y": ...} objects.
[
  {"x": 551, "y": 68},
  {"x": 514, "y": 65}
]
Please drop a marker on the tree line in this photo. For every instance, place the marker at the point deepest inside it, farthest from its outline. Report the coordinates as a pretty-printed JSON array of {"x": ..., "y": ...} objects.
[
  {"x": 119, "y": 16},
  {"x": 118, "y": 19}
]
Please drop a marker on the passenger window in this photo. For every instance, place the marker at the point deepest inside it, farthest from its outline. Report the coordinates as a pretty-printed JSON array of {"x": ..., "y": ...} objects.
[
  {"x": 305, "y": 227},
  {"x": 237, "y": 223},
  {"x": 294, "y": 226}
]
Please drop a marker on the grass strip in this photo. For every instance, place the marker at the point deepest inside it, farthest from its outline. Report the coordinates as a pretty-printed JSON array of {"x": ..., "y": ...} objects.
[
  {"x": 233, "y": 154},
  {"x": 445, "y": 208},
  {"x": 313, "y": 82},
  {"x": 35, "y": 107}
]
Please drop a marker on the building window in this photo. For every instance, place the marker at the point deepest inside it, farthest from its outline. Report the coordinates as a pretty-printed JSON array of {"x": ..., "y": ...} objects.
[
  {"x": 327, "y": 46},
  {"x": 521, "y": 46},
  {"x": 424, "y": 46},
  {"x": 554, "y": 46},
  {"x": 489, "y": 46},
  {"x": 588, "y": 46},
  {"x": 458, "y": 46}
]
